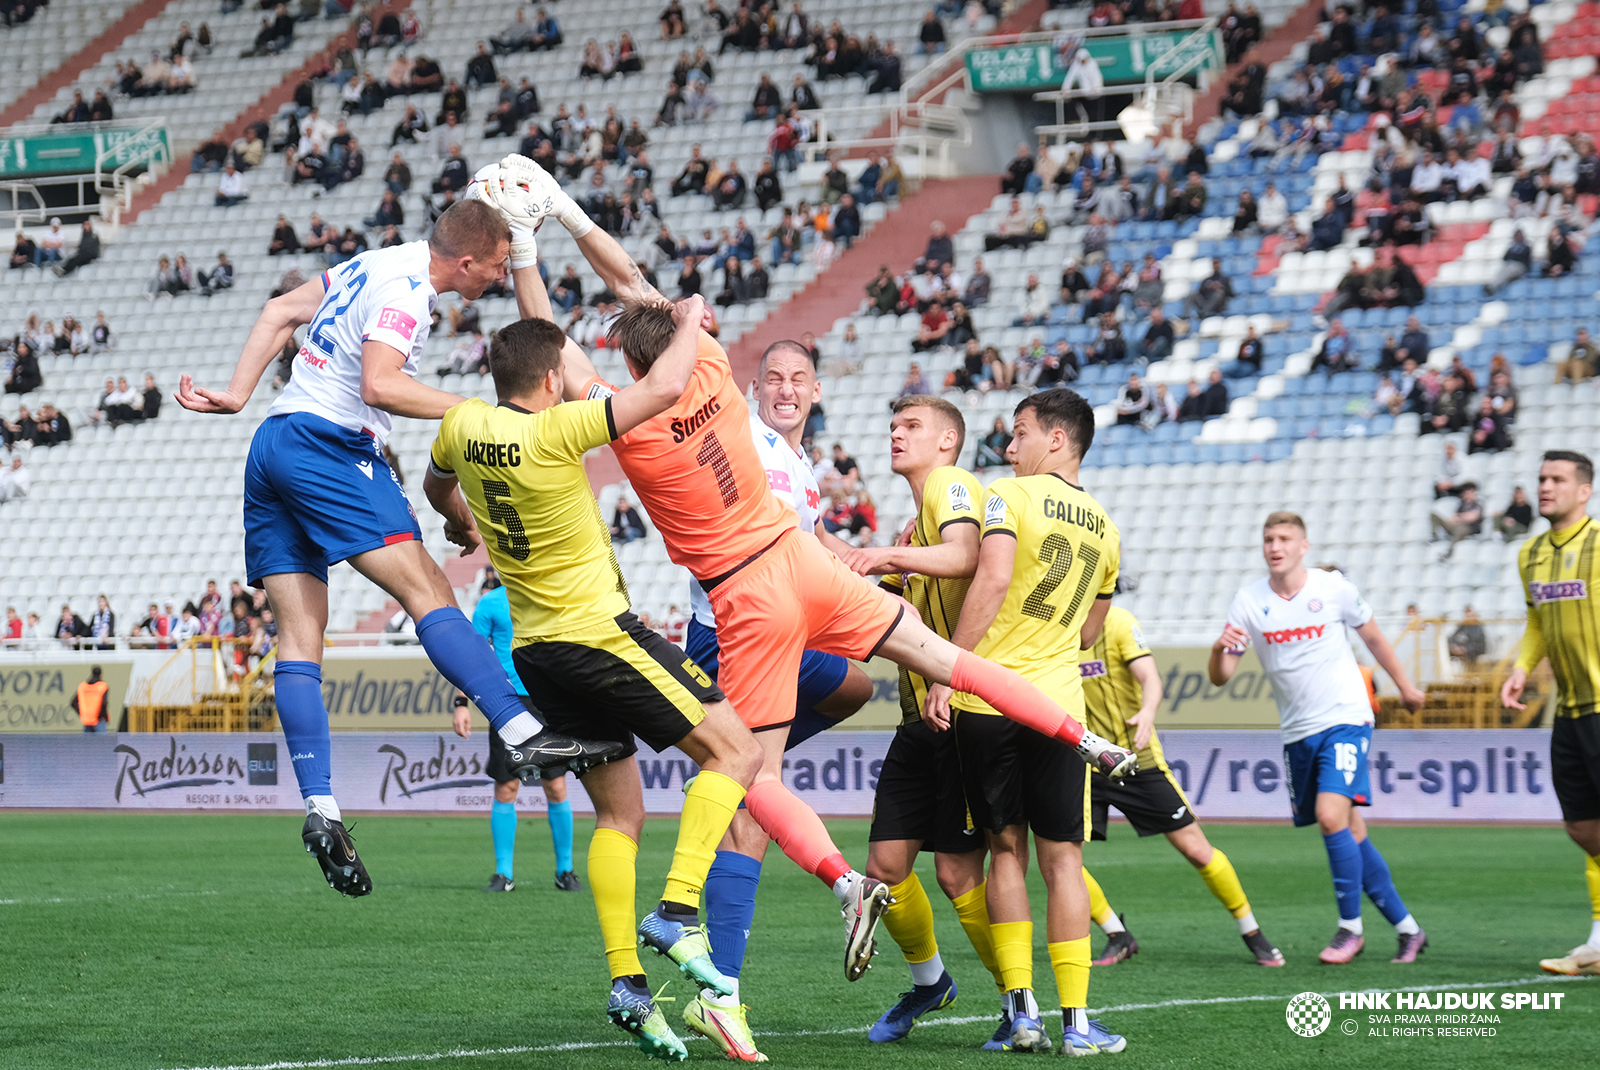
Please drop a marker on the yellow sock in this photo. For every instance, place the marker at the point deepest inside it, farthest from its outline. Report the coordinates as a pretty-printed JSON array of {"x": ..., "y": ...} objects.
[
  {"x": 708, "y": 809},
  {"x": 909, "y": 920},
  {"x": 1224, "y": 884},
  {"x": 1099, "y": 906},
  {"x": 611, "y": 880},
  {"x": 973, "y": 910},
  {"x": 1013, "y": 953},
  {"x": 1070, "y": 961},
  {"x": 1591, "y": 873}
]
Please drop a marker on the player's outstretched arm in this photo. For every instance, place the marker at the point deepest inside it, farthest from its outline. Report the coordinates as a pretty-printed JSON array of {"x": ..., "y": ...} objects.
[
  {"x": 954, "y": 558},
  {"x": 1226, "y": 652},
  {"x": 444, "y": 494},
  {"x": 1144, "y": 722},
  {"x": 997, "y": 559},
  {"x": 668, "y": 377},
  {"x": 1389, "y": 661},
  {"x": 385, "y": 385},
  {"x": 272, "y": 331}
]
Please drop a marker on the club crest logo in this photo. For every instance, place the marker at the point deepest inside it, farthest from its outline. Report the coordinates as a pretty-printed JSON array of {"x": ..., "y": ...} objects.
[{"x": 1308, "y": 1014}]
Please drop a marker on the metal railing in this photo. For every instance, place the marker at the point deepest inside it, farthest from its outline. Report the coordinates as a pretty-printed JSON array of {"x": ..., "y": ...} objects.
[
  {"x": 921, "y": 131},
  {"x": 12, "y": 194},
  {"x": 196, "y": 690},
  {"x": 147, "y": 150},
  {"x": 1168, "y": 100}
]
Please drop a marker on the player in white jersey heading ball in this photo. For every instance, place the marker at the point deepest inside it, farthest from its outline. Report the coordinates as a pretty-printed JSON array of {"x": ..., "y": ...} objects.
[
  {"x": 1296, "y": 619},
  {"x": 318, "y": 491}
]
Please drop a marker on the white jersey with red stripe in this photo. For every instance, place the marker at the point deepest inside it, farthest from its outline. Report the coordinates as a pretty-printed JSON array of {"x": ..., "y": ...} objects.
[
  {"x": 1305, "y": 650},
  {"x": 383, "y": 295},
  {"x": 789, "y": 476}
]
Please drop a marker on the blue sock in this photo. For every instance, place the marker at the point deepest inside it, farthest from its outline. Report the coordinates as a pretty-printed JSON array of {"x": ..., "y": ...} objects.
[
  {"x": 503, "y": 827},
  {"x": 297, "y": 686},
  {"x": 462, "y": 657},
  {"x": 1379, "y": 885},
  {"x": 1344, "y": 858},
  {"x": 807, "y": 723},
  {"x": 561, "y": 834},
  {"x": 730, "y": 900}
]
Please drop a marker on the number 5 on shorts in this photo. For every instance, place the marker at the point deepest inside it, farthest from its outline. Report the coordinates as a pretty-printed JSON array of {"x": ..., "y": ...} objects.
[{"x": 696, "y": 672}]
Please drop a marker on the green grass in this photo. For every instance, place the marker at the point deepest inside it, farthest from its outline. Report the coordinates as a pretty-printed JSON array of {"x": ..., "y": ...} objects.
[{"x": 157, "y": 941}]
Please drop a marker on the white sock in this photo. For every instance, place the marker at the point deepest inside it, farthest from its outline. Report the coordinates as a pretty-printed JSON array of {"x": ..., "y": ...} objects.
[
  {"x": 1113, "y": 926},
  {"x": 324, "y": 805},
  {"x": 1247, "y": 924},
  {"x": 1406, "y": 926},
  {"x": 927, "y": 973},
  {"x": 841, "y": 887},
  {"x": 717, "y": 999},
  {"x": 521, "y": 728},
  {"x": 1353, "y": 924},
  {"x": 1020, "y": 1001},
  {"x": 1076, "y": 1020},
  {"x": 1594, "y": 935}
]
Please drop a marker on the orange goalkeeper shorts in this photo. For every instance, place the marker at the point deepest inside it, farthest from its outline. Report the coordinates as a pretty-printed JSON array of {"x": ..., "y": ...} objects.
[{"x": 794, "y": 596}]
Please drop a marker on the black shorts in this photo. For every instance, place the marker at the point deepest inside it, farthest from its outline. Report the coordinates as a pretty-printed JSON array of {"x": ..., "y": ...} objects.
[
  {"x": 616, "y": 680},
  {"x": 919, "y": 793},
  {"x": 1575, "y": 766},
  {"x": 498, "y": 767},
  {"x": 1016, "y": 776},
  {"x": 1151, "y": 800}
]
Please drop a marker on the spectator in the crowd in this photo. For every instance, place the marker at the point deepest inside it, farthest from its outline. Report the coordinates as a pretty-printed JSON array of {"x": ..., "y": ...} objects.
[
  {"x": 1214, "y": 397},
  {"x": 992, "y": 447},
  {"x": 1247, "y": 361},
  {"x": 1517, "y": 262},
  {"x": 284, "y": 239},
  {"x": 1468, "y": 642},
  {"x": 518, "y": 36},
  {"x": 25, "y": 252},
  {"x": 626, "y": 524},
  {"x": 99, "y": 334},
  {"x": 1489, "y": 430},
  {"x": 767, "y": 102},
  {"x": 940, "y": 249},
  {"x": 25, "y": 376},
  {"x": 845, "y": 468},
  {"x": 52, "y": 243},
  {"x": 883, "y": 70},
  {"x": 150, "y": 401},
  {"x": 846, "y": 221},
  {"x": 1037, "y": 300},
  {"x": 934, "y": 328},
  {"x": 1018, "y": 172},
  {"x": 1450, "y": 409},
  {"x": 546, "y": 32},
  {"x": 87, "y": 252},
  {"x": 1559, "y": 253},
  {"x": 1157, "y": 341},
  {"x": 1193, "y": 405},
  {"x": 70, "y": 628},
  {"x": 1514, "y": 521},
  {"x": 884, "y": 292},
  {"x": 914, "y": 382},
  {"x": 103, "y": 626},
  {"x": 1466, "y": 522},
  {"x": 1338, "y": 350},
  {"x": 15, "y": 482},
  {"x": 1447, "y": 482},
  {"x": 454, "y": 174},
  {"x": 1210, "y": 295},
  {"x": 730, "y": 190},
  {"x": 931, "y": 40},
  {"x": 218, "y": 278},
  {"x": 1581, "y": 360},
  {"x": 1132, "y": 401}
]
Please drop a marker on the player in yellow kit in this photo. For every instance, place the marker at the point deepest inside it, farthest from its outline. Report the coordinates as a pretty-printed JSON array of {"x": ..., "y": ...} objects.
[
  {"x": 1121, "y": 692},
  {"x": 1047, "y": 566},
  {"x": 1559, "y": 573},
  {"x": 579, "y": 650},
  {"x": 920, "y": 804}
]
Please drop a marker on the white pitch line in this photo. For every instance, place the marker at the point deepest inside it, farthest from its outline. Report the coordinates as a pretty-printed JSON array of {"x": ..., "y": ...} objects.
[{"x": 473, "y": 1053}]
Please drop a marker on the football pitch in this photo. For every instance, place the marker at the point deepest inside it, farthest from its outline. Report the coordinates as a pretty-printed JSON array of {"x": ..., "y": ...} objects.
[{"x": 159, "y": 942}]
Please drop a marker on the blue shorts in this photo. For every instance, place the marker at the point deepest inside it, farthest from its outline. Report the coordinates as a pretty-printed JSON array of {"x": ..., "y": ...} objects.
[
  {"x": 316, "y": 493},
  {"x": 820, "y": 674},
  {"x": 1333, "y": 760}
]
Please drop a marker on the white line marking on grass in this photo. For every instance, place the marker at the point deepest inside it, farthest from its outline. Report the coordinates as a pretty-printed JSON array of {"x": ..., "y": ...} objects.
[
  {"x": 100, "y": 898},
  {"x": 475, "y": 1053}
]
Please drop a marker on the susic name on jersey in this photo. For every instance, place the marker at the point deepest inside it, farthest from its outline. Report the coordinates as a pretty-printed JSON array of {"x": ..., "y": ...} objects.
[
  {"x": 1068, "y": 513},
  {"x": 1294, "y": 635},
  {"x": 1562, "y": 591},
  {"x": 682, "y": 429},
  {"x": 493, "y": 454}
]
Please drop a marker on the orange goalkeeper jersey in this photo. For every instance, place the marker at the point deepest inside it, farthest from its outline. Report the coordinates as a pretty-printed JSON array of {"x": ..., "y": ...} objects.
[{"x": 696, "y": 470}]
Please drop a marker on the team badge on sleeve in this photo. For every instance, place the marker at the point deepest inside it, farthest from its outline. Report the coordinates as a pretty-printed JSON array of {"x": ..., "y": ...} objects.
[
  {"x": 960, "y": 499},
  {"x": 994, "y": 512},
  {"x": 1138, "y": 637}
]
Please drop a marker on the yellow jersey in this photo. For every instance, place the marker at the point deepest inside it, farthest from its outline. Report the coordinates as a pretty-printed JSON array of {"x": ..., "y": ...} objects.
[
  {"x": 949, "y": 497},
  {"x": 522, "y": 474},
  {"x": 1111, "y": 694},
  {"x": 1558, "y": 570},
  {"x": 1068, "y": 552}
]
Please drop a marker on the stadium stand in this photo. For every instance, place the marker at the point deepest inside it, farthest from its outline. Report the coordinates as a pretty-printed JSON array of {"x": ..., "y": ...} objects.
[
  {"x": 49, "y": 36},
  {"x": 1289, "y": 436}
]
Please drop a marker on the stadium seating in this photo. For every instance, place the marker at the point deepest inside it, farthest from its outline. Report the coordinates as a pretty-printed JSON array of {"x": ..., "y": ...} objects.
[{"x": 40, "y": 45}]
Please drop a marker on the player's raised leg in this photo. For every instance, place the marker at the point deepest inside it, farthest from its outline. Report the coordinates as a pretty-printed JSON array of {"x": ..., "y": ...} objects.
[{"x": 406, "y": 571}]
